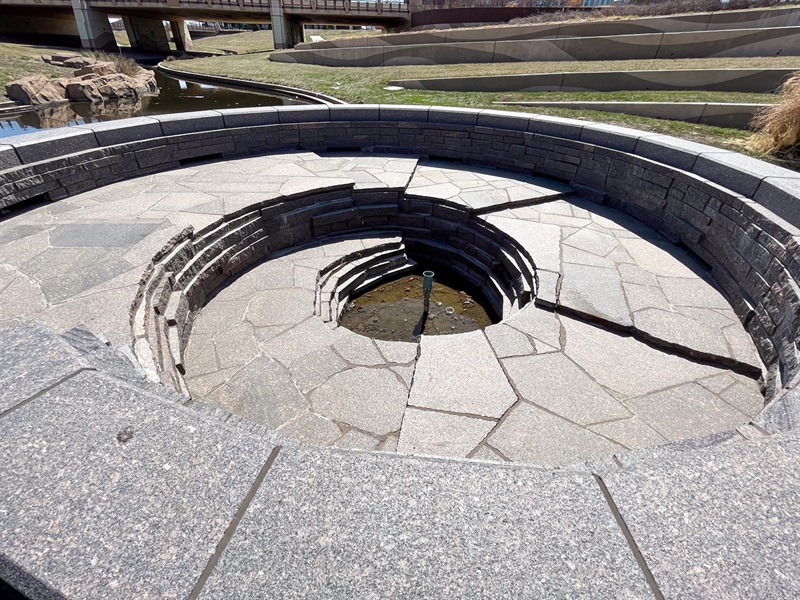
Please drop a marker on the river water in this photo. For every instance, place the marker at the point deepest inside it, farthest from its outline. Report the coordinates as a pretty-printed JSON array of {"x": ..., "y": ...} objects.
[{"x": 175, "y": 95}]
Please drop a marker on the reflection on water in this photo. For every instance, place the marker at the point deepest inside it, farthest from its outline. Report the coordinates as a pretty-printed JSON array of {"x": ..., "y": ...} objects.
[{"x": 175, "y": 95}]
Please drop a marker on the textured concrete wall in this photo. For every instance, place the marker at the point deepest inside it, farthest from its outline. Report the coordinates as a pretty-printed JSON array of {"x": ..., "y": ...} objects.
[
  {"x": 758, "y": 81},
  {"x": 739, "y": 215},
  {"x": 694, "y": 44},
  {"x": 738, "y": 19}
]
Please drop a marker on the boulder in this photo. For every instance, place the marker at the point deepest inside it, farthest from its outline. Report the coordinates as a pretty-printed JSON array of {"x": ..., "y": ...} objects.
[
  {"x": 79, "y": 90},
  {"x": 36, "y": 89},
  {"x": 98, "y": 68},
  {"x": 78, "y": 62}
]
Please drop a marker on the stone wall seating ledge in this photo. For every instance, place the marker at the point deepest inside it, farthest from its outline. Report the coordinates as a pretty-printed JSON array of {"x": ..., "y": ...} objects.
[{"x": 738, "y": 214}]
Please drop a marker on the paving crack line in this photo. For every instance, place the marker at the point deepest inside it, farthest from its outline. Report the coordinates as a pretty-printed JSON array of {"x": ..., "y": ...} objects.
[
  {"x": 637, "y": 553},
  {"x": 231, "y": 529}
]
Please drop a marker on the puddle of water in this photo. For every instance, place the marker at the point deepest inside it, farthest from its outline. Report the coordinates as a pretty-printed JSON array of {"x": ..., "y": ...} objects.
[{"x": 393, "y": 311}]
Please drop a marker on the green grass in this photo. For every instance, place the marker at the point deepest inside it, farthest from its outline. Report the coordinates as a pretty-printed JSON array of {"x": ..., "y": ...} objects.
[
  {"x": 20, "y": 60},
  {"x": 365, "y": 85}
]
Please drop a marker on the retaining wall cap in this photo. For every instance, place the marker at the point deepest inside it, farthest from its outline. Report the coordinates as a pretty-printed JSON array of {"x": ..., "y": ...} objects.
[
  {"x": 403, "y": 112},
  {"x": 781, "y": 195},
  {"x": 355, "y": 112},
  {"x": 556, "y": 126},
  {"x": 304, "y": 114},
  {"x": 740, "y": 173},
  {"x": 503, "y": 119},
  {"x": 8, "y": 157},
  {"x": 610, "y": 136},
  {"x": 110, "y": 133},
  {"x": 671, "y": 150},
  {"x": 249, "y": 117},
  {"x": 49, "y": 143},
  {"x": 454, "y": 116},
  {"x": 191, "y": 122}
]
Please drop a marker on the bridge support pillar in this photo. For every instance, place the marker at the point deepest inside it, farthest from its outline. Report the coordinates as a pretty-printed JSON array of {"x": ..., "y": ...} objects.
[
  {"x": 147, "y": 34},
  {"x": 181, "y": 36},
  {"x": 285, "y": 33},
  {"x": 93, "y": 27}
]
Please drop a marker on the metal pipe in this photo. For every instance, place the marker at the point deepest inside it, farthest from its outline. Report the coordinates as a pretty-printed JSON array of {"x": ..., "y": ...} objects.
[{"x": 427, "y": 287}]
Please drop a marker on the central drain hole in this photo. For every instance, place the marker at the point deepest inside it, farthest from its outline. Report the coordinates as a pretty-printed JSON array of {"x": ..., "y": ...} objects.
[{"x": 394, "y": 310}]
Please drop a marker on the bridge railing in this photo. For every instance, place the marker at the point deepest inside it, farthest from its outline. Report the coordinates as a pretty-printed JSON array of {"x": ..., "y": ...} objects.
[{"x": 371, "y": 6}]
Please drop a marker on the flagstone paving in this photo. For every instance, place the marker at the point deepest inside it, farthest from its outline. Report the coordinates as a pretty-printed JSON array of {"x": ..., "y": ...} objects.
[{"x": 630, "y": 344}]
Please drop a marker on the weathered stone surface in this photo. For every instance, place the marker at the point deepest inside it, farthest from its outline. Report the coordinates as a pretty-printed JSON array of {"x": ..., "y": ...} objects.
[
  {"x": 632, "y": 433},
  {"x": 356, "y": 440},
  {"x": 686, "y": 411},
  {"x": 441, "y": 434},
  {"x": 312, "y": 428},
  {"x": 507, "y": 341},
  {"x": 74, "y": 489},
  {"x": 595, "y": 292},
  {"x": 263, "y": 391},
  {"x": 679, "y": 331},
  {"x": 460, "y": 374},
  {"x": 332, "y": 524},
  {"x": 369, "y": 399},
  {"x": 280, "y": 307},
  {"x": 532, "y": 435},
  {"x": 315, "y": 368},
  {"x": 555, "y": 383},
  {"x": 542, "y": 325},
  {"x": 723, "y": 521},
  {"x": 33, "y": 358}
]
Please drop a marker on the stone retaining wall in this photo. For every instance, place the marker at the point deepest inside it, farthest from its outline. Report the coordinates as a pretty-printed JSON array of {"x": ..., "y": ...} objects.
[
  {"x": 645, "y": 46},
  {"x": 737, "y": 214},
  {"x": 732, "y": 19}
]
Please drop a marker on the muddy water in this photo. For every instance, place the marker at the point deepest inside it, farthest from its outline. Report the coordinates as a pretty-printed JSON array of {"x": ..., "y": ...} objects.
[{"x": 393, "y": 311}]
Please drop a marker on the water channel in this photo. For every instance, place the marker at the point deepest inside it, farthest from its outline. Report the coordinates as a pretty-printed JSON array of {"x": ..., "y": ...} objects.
[{"x": 175, "y": 95}]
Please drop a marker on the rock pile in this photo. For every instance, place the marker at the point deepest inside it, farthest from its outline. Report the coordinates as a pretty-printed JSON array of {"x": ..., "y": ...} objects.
[{"x": 92, "y": 80}]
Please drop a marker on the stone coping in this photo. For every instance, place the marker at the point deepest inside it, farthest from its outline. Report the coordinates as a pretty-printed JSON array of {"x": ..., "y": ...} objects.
[{"x": 735, "y": 115}]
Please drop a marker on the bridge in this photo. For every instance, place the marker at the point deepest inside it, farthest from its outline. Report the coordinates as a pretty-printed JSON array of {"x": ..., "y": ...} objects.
[{"x": 63, "y": 21}]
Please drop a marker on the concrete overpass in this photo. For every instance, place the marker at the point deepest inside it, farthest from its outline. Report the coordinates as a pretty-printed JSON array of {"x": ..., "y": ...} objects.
[{"x": 61, "y": 21}]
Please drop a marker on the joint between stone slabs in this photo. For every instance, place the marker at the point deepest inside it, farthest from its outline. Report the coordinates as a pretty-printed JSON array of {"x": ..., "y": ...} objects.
[
  {"x": 637, "y": 553},
  {"x": 41, "y": 392},
  {"x": 232, "y": 526}
]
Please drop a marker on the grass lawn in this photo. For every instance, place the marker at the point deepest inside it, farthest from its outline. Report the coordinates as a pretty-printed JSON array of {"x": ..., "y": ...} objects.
[
  {"x": 365, "y": 85},
  {"x": 20, "y": 60}
]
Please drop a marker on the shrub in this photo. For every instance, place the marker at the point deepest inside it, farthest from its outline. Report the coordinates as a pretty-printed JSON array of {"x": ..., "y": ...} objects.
[
  {"x": 122, "y": 64},
  {"x": 778, "y": 125}
]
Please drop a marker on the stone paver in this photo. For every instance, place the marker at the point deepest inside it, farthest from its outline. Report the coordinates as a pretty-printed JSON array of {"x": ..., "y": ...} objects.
[
  {"x": 460, "y": 374},
  {"x": 406, "y": 528},
  {"x": 441, "y": 434}
]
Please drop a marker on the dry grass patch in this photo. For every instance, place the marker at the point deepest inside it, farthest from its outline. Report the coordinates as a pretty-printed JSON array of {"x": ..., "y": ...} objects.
[{"x": 778, "y": 127}]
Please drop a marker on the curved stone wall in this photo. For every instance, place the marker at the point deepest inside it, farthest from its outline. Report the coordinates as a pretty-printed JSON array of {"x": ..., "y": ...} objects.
[
  {"x": 756, "y": 81},
  {"x": 643, "y": 46},
  {"x": 739, "y": 215},
  {"x": 734, "y": 19}
]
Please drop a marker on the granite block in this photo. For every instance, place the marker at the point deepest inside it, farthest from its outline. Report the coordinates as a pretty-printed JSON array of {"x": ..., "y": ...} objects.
[
  {"x": 304, "y": 114},
  {"x": 33, "y": 357},
  {"x": 610, "y": 136},
  {"x": 8, "y": 157},
  {"x": 191, "y": 122},
  {"x": 737, "y": 172},
  {"x": 780, "y": 195},
  {"x": 453, "y": 116},
  {"x": 721, "y": 522},
  {"x": 503, "y": 120},
  {"x": 100, "y": 494},
  {"x": 334, "y": 524},
  {"x": 403, "y": 113},
  {"x": 51, "y": 143},
  {"x": 110, "y": 133},
  {"x": 556, "y": 127},
  {"x": 249, "y": 117},
  {"x": 355, "y": 112},
  {"x": 782, "y": 414}
]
